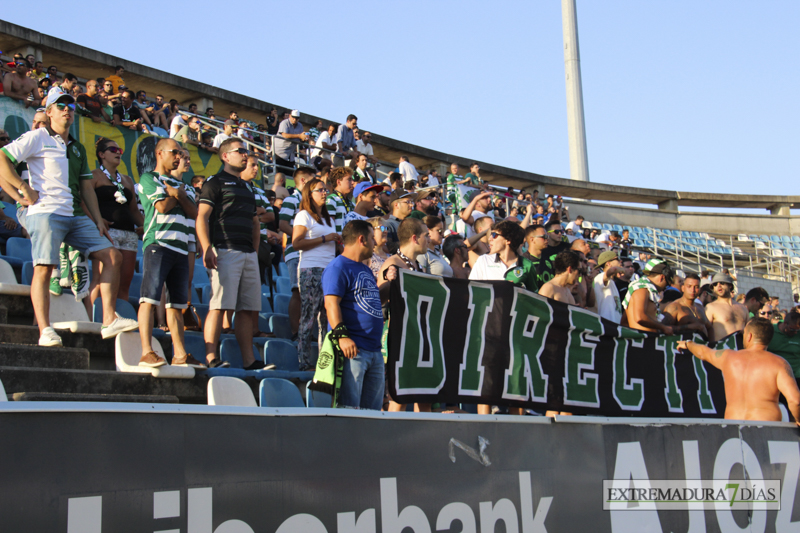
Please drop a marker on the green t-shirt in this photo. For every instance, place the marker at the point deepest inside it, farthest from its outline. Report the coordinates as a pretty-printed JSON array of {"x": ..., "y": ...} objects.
[
  {"x": 172, "y": 230},
  {"x": 474, "y": 180},
  {"x": 419, "y": 215},
  {"x": 524, "y": 274},
  {"x": 787, "y": 347},
  {"x": 290, "y": 207}
]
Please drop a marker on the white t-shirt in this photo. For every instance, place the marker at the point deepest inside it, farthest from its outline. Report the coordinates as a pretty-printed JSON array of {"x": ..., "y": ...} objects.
[
  {"x": 574, "y": 227},
  {"x": 362, "y": 148},
  {"x": 220, "y": 138},
  {"x": 489, "y": 267},
  {"x": 176, "y": 124},
  {"x": 432, "y": 181},
  {"x": 321, "y": 255},
  {"x": 408, "y": 171},
  {"x": 48, "y": 170},
  {"x": 323, "y": 137},
  {"x": 609, "y": 305}
]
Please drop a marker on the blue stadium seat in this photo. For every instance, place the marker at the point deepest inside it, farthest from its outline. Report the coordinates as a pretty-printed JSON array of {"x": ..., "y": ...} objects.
[
  {"x": 124, "y": 309},
  {"x": 200, "y": 276},
  {"x": 617, "y": 227},
  {"x": 281, "y": 302},
  {"x": 196, "y": 345},
  {"x": 279, "y": 325},
  {"x": 775, "y": 238},
  {"x": 27, "y": 273},
  {"x": 786, "y": 238},
  {"x": 265, "y": 305},
  {"x": 283, "y": 355},
  {"x": 283, "y": 270},
  {"x": 135, "y": 290},
  {"x": 229, "y": 351},
  {"x": 19, "y": 248},
  {"x": 277, "y": 392},
  {"x": 764, "y": 238},
  {"x": 315, "y": 398},
  {"x": 202, "y": 311},
  {"x": 795, "y": 238},
  {"x": 283, "y": 285},
  {"x": 606, "y": 227}
]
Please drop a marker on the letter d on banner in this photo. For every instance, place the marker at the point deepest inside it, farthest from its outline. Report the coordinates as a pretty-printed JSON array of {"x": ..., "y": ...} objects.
[{"x": 420, "y": 368}]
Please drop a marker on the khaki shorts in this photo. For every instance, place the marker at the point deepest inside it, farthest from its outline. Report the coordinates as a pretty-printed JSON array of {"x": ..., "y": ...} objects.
[{"x": 235, "y": 283}]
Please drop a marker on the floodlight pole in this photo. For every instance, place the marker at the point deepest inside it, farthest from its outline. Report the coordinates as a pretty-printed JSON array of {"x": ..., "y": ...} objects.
[{"x": 578, "y": 158}]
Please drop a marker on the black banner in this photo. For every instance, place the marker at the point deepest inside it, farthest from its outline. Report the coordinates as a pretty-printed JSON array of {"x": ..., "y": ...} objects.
[
  {"x": 459, "y": 341},
  {"x": 110, "y": 468}
]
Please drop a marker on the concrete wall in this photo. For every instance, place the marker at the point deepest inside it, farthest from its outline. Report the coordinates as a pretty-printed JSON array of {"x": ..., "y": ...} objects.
[
  {"x": 727, "y": 223},
  {"x": 781, "y": 289}
]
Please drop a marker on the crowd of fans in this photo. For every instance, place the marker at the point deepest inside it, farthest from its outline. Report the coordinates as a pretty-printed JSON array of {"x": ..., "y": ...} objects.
[{"x": 342, "y": 232}]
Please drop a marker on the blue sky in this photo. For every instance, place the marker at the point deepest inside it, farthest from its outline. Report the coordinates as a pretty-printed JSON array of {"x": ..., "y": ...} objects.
[{"x": 694, "y": 96}]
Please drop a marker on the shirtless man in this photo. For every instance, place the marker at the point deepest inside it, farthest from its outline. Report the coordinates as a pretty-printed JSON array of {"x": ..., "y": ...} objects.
[
  {"x": 413, "y": 237},
  {"x": 479, "y": 242},
  {"x": 686, "y": 313},
  {"x": 567, "y": 269},
  {"x": 641, "y": 300},
  {"x": 753, "y": 376},
  {"x": 725, "y": 314},
  {"x": 19, "y": 86}
]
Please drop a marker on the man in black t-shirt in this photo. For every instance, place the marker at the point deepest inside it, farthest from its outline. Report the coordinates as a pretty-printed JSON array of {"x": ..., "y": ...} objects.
[
  {"x": 229, "y": 232},
  {"x": 555, "y": 245},
  {"x": 127, "y": 114},
  {"x": 90, "y": 101}
]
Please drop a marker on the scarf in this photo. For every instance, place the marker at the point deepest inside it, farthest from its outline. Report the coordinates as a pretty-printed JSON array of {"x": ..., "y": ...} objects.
[
  {"x": 330, "y": 365},
  {"x": 119, "y": 196},
  {"x": 642, "y": 283}
]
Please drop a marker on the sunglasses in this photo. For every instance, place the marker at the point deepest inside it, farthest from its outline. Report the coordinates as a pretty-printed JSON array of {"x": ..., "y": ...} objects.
[
  {"x": 62, "y": 107},
  {"x": 323, "y": 191},
  {"x": 242, "y": 151},
  {"x": 556, "y": 231},
  {"x": 382, "y": 228},
  {"x": 5, "y": 138},
  {"x": 115, "y": 150},
  {"x": 174, "y": 152},
  {"x": 495, "y": 235}
]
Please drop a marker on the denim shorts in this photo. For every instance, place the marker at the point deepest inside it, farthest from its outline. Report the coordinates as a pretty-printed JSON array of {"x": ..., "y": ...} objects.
[
  {"x": 49, "y": 230},
  {"x": 162, "y": 265},
  {"x": 291, "y": 266}
]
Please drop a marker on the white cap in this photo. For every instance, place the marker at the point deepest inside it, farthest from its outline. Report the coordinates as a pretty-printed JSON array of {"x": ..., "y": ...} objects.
[{"x": 296, "y": 113}]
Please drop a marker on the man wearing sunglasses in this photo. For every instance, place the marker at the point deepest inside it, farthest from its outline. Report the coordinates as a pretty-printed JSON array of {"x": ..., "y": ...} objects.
[
  {"x": 726, "y": 315},
  {"x": 19, "y": 86},
  {"x": 555, "y": 245},
  {"x": 59, "y": 180}
]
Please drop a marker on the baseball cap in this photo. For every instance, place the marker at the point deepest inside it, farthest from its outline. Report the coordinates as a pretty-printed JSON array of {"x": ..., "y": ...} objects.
[
  {"x": 230, "y": 123},
  {"x": 425, "y": 194},
  {"x": 365, "y": 186},
  {"x": 605, "y": 257},
  {"x": 401, "y": 194},
  {"x": 57, "y": 95},
  {"x": 295, "y": 113},
  {"x": 719, "y": 277}
]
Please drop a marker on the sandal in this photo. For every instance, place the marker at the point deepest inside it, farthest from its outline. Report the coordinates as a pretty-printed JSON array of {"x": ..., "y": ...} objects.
[{"x": 228, "y": 331}]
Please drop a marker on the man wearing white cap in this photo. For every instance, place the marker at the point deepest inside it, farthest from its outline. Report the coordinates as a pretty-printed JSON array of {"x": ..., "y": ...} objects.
[
  {"x": 725, "y": 314},
  {"x": 284, "y": 148},
  {"x": 59, "y": 179}
]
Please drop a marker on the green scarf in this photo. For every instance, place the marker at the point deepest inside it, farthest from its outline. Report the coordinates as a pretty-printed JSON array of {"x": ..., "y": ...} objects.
[{"x": 330, "y": 365}]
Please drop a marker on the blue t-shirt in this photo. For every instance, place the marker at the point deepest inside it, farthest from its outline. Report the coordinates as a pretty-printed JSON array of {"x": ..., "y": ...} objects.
[{"x": 355, "y": 284}]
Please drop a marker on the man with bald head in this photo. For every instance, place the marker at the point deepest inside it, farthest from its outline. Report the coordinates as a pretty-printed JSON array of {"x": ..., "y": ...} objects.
[
  {"x": 754, "y": 378},
  {"x": 167, "y": 208}
]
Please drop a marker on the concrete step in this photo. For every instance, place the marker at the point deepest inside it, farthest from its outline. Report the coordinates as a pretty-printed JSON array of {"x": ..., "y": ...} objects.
[
  {"x": 16, "y": 379},
  {"x": 25, "y": 355},
  {"x": 67, "y": 397},
  {"x": 101, "y": 351},
  {"x": 19, "y": 309}
]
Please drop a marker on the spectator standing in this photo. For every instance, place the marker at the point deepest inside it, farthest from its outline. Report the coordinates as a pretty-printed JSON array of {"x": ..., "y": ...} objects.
[
  {"x": 353, "y": 308},
  {"x": 18, "y": 86},
  {"x": 116, "y": 199},
  {"x": 576, "y": 225},
  {"x": 366, "y": 195},
  {"x": 364, "y": 146},
  {"x": 425, "y": 205},
  {"x": 265, "y": 216},
  {"x": 379, "y": 253},
  {"x": 685, "y": 313},
  {"x": 326, "y": 140},
  {"x": 479, "y": 206},
  {"x": 453, "y": 180},
  {"x": 117, "y": 80},
  {"x": 227, "y": 133},
  {"x": 279, "y": 187},
  {"x": 567, "y": 269},
  {"x": 346, "y": 141},
  {"x": 725, "y": 314},
  {"x": 556, "y": 244},
  {"x": 228, "y": 231},
  {"x": 166, "y": 245},
  {"x": 313, "y": 133},
  {"x": 502, "y": 261},
  {"x": 90, "y": 100},
  {"x": 785, "y": 341},
  {"x": 641, "y": 303},
  {"x": 283, "y": 145},
  {"x": 57, "y": 216},
  {"x": 407, "y": 169},
  {"x": 474, "y": 176},
  {"x": 361, "y": 169},
  {"x": 457, "y": 255},
  {"x": 756, "y": 298},
  {"x": 289, "y": 210},
  {"x": 339, "y": 204},
  {"x": 606, "y": 294},
  {"x": 432, "y": 261},
  {"x": 314, "y": 236},
  {"x": 401, "y": 203}
]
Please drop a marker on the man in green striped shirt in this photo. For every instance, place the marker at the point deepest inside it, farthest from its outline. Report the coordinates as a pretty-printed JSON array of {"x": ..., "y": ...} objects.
[
  {"x": 167, "y": 212},
  {"x": 339, "y": 203},
  {"x": 290, "y": 207}
]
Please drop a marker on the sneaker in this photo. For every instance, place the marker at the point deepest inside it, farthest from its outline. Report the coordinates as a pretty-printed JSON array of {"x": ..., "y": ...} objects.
[
  {"x": 49, "y": 337},
  {"x": 55, "y": 287},
  {"x": 259, "y": 365},
  {"x": 152, "y": 359},
  {"x": 218, "y": 363},
  {"x": 187, "y": 360},
  {"x": 118, "y": 326}
]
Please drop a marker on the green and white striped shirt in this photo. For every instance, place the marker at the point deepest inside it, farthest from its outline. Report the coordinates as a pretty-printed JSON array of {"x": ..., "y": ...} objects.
[
  {"x": 289, "y": 209},
  {"x": 171, "y": 230},
  {"x": 261, "y": 201},
  {"x": 338, "y": 207}
]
